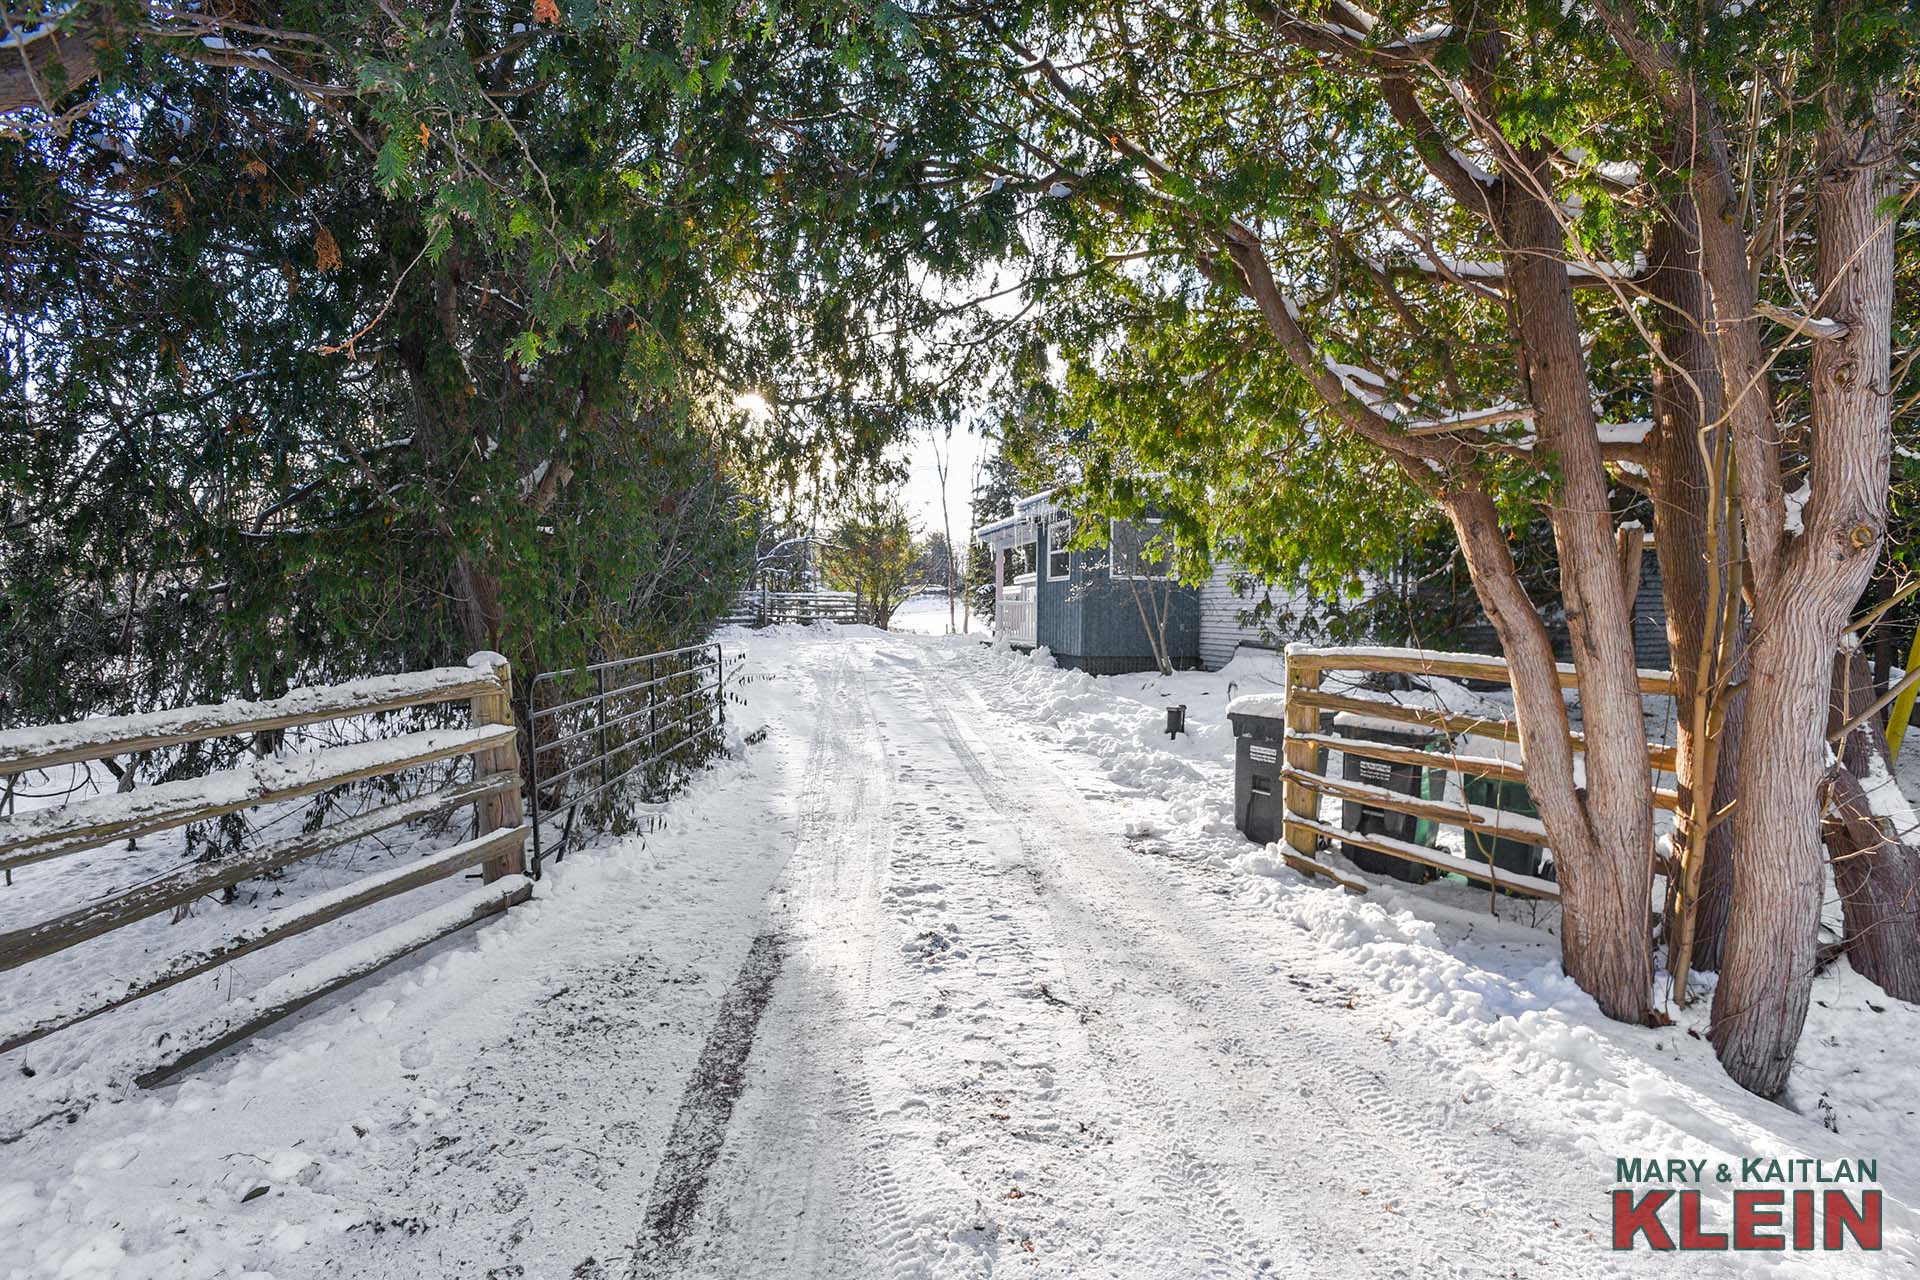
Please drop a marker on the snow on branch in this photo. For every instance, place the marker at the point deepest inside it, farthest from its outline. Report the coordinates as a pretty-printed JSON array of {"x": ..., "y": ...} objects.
[
  {"x": 1807, "y": 326},
  {"x": 1485, "y": 269},
  {"x": 1616, "y": 173},
  {"x": 1350, "y": 30},
  {"x": 1364, "y": 385},
  {"x": 1614, "y": 436},
  {"x": 1470, "y": 420}
]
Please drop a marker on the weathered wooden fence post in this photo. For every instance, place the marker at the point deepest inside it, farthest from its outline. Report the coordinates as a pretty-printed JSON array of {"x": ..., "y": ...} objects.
[
  {"x": 501, "y": 810},
  {"x": 1303, "y": 674}
]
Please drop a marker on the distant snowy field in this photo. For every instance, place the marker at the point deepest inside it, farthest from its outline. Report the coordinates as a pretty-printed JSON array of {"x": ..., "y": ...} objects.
[
  {"x": 499, "y": 1104},
  {"x": 926, "y": 614}
]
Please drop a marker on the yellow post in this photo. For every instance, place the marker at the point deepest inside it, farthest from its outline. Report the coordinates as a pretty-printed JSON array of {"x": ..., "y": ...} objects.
[
  {"x": 502, "y": 810},
  {"x": 1302, "y": 674},
  {"x": 1903, "y": 705}
]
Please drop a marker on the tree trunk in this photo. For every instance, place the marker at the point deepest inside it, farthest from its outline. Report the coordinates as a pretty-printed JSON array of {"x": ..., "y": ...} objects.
[
  {"x": 1714, "y": 905},
  {"x": 1768, "y": 965},
  {"x": 476, "y": 598},
  {"x": 429, "y": 351},
  {"x": 1687, "y": 398},
  {"x": 1607, "y": 873},
  {"x": 1602, "y": 835},
  {"x": 1740, "y": 350},
  {"x": 48, "y": 61},
  {"x": 1603, "y": 936},
  {"x": 1875, "y": 870},
  {"x": 1153, "y": 617}
]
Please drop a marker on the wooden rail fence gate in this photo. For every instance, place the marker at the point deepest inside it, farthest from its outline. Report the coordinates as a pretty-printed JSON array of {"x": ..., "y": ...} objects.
[
  {"x": 1307, "y": 743},
  {"x": 493, "y": 790}
]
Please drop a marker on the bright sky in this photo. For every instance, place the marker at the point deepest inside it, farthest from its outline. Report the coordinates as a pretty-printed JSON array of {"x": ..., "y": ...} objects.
[{"x": 922, "y": 491}]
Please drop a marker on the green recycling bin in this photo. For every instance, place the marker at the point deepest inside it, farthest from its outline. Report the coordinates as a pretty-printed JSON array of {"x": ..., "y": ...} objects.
[{"x": 1503, "y": 852}]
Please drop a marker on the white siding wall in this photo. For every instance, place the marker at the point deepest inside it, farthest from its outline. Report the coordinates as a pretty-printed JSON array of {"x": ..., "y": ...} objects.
[{"x": 1221, "y": 630}]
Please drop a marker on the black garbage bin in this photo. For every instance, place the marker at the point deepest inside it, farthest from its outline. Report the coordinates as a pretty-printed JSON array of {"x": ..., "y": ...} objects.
[
  {"x": 1408, "y": 779},
  {"x": 1259, "y": 808},
  {"x": 1256, "y": 775}
]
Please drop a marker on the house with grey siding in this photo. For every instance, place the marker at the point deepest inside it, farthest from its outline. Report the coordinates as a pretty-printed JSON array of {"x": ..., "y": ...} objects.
[
  {"x": 1225, "y": 599},
  {"x": 1089, "y": 606},
  {"x": 1074, "y": 604},
  {"x": 1224, "y": 630}
]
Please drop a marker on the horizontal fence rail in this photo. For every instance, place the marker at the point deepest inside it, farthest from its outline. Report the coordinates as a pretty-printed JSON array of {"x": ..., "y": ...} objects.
[
  {"x": 605, "y": 734},
  {"x": 1307, "y": 744},
  {"x": 485, "y": 684}
]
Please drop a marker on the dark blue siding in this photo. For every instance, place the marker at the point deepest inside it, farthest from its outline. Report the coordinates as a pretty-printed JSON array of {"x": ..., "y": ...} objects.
[
  {"x": 1057, "y": 625},
  {"x": 1096, "y": 625}
]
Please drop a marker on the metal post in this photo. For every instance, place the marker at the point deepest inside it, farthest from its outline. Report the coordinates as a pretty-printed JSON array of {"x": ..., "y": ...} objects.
[
  {"x": 720, "y": 686},
  {"x": 533, "y": 774},
  {"x": 600, "y": 718}
]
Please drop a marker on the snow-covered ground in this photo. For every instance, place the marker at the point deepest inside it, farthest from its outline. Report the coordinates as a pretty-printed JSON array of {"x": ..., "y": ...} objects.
[{"x": 961, "y": 969}]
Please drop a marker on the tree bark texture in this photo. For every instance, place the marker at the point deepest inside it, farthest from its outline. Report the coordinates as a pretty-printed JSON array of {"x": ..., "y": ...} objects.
[
  {"x": 1800, "y": 611},
  {"x": 1876, "y": 866},
  {"x": 1607, "y": 872},
  {"x": 1687, "y": 402}
]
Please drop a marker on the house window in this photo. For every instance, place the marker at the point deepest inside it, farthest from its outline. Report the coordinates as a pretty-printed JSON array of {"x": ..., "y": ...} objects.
[
  {"x": 1140, "y": 549},
  {"x": 1059, "y": 558},
  {"x": 1019, "y": 563}
]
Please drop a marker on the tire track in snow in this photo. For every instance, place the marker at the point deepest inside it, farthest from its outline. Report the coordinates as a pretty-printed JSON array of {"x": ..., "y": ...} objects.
[
  {"x": 898, "y": 1250},
  {"x": 679, "y": 1199},
  {"x": 804, "y": 1182},
  {"x": 989, "y": 1078},
  {"x": 700, "y": 1127},
  {"x": 1192, "y": 941},
  {"x": 1224, "y": 1243}
]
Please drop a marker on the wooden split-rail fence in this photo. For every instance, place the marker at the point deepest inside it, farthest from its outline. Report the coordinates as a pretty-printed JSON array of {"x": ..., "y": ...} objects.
[
  {"x": 1307, "y": 744},
  {"x": 493, "y": 790}
]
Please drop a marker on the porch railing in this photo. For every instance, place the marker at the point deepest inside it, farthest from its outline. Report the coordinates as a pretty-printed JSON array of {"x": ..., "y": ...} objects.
[{"x": 1015, "y": 613}]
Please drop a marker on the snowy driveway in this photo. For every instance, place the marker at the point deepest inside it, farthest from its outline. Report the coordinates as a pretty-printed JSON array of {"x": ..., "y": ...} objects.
[{"x": 899, "y": 995}]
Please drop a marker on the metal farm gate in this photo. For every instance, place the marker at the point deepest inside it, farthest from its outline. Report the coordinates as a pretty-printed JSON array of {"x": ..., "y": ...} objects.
[{"x": 607, "y": 735}]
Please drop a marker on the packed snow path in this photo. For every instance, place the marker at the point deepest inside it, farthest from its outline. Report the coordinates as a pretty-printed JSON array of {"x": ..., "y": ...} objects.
[
  {"x": 999, "y": 1031},
  {"x": 896, "y": 997}
]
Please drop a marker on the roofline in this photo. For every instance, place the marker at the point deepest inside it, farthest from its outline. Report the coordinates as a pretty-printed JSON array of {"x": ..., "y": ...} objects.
[
  {"x": 1042, "y": 498},
  {"x": 1031, "y": 509},
  {"x": 1000, "y": 526}
]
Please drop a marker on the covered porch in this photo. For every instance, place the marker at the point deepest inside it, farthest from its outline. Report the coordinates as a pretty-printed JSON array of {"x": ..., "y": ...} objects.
[{"x": 1014, "y": 543}]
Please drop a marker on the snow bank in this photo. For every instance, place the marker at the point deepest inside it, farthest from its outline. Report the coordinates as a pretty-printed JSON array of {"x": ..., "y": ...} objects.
[{"x": 1483, "y": 996}]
